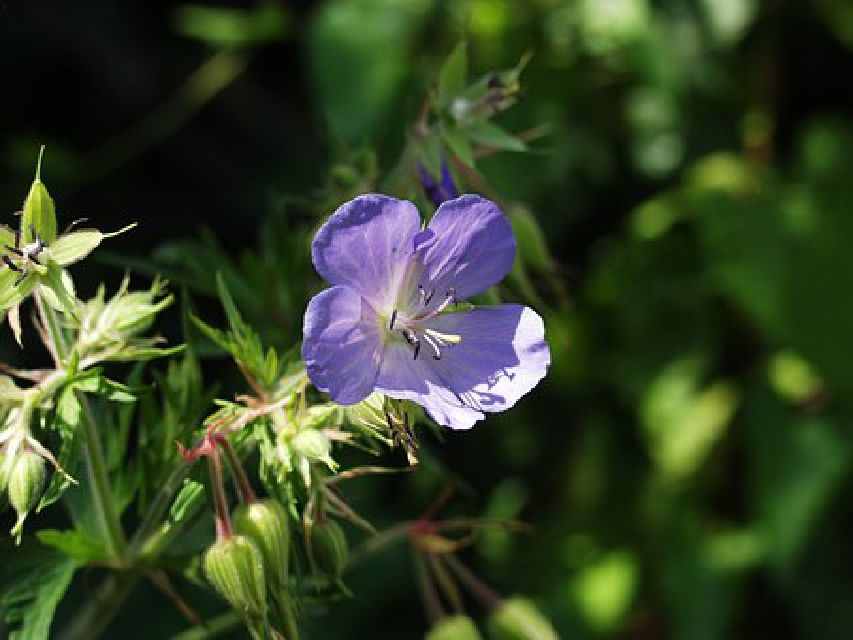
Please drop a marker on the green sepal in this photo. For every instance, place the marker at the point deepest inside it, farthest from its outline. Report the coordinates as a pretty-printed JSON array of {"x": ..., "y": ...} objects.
[
  {"x": 458, "y": 144},
  {"x": 39, "y": 211},
  {"x": 235, "y": 568},
  {"x": 491, "y": 135},
  {"x": 59, "y": 286},
  {"x": 266, "y": 523}
]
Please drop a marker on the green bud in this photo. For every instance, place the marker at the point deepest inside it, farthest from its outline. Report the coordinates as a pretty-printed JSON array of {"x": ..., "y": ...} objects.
[
  {"x": 456, "y": 627},
  {"x": 25, "y": 483},
  {"x": 519, "y": 619},
  {"x": 313, "y": 445},
  {"x": 39, "y": 211},
  {"x": 329, "y": 548},
  {"x": 265, "y": 522},
  {"x": 235, "y": 567}
]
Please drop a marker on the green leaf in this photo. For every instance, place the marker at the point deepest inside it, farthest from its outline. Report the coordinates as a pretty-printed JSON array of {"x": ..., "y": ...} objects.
[
  {"x": 458, "y": 144},
  {"x": 532, "y": 245},
  {"x": 75, "y": 246},
  {"x": 68, "y": 408},
  {"x": 33, "y": 584},
  {"x": 188, "y": 499},
  {"x": 453, "y": 75},
  {"x": 491, "y": 135},
  {"x": 59, "y": 285},
  {"x": 359, "y": 55},
  {"x": 39, "y": 211},
  {"x": 50, "y": 296},
  {"x": 74, "y": 544}
]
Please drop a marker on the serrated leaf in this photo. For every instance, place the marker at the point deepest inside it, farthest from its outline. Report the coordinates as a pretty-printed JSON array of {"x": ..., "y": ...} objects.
[
  {"x": 74, "y": 544},
  {"x": 458, "y": 144},
  {"x": 491, "y": 135},
  {"x": 33, "y": 589},
  {"x": 453, "y": 75}
]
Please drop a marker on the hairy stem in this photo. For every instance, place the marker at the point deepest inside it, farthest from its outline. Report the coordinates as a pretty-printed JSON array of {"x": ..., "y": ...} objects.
[{"x": 220, "y": 500}]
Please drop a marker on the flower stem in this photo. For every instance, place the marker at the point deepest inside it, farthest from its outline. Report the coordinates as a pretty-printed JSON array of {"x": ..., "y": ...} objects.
[
  {"x": 95, "y": 462},
  {"x": 479, "y": 589},
  {"x": 244, "y": 486},
  {"x": 220, "y": 500}
]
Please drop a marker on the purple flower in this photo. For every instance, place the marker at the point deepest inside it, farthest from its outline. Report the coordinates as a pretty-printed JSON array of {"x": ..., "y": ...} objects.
[
  {"x": 438, "y": 192},
  {"x": 383, "y": 326}
]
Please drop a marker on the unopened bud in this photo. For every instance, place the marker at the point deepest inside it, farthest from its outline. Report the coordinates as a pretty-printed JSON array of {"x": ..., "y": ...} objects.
[
  {"x": 265, "y": 522},
  {"x": 329, "y": 548},
  {"x": 519, "y": 619},
  {"x": 313, "y": 445},
  {"x": 25, "y": 484},
  {"x": 235, "y": 567},
  {"x": 456, "y": 627}
]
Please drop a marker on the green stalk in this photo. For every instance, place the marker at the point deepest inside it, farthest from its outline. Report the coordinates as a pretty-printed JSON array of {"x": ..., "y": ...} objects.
[
  {"x": 101, "y": 607},
  {"x": 92, "y": 450}
]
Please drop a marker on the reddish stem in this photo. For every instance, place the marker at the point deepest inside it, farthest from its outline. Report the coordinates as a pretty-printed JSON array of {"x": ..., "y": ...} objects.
[
  {"x": 220, "y": 501},
  {"x": 244, "y": 486}
]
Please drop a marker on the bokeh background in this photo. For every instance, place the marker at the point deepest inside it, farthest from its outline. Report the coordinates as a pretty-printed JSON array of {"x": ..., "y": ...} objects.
[{"x": 685, "y": 225}]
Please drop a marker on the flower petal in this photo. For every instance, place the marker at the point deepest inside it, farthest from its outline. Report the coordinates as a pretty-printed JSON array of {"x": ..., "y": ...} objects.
[
  {"x": 366, "y": 244},
  {"x": 472, "y": 247},
  {"x": 403, "y": 377},
  {"x": 502, "y": 356},
  {"x": 341, "y": 344}
]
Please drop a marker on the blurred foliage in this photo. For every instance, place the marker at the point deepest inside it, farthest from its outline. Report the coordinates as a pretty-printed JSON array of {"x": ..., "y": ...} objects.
[{"x": 683, "y": 225}]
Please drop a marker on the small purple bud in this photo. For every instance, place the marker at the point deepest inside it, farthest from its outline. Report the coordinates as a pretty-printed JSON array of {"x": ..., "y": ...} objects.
[{"x": 438, "y": 192}]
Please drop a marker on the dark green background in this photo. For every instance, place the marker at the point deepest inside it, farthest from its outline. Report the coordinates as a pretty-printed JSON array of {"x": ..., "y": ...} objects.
[{"x": 687, "y": 463}]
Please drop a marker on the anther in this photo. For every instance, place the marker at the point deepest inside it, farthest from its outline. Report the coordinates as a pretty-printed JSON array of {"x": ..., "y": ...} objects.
[{"x": 393, "y": 318}]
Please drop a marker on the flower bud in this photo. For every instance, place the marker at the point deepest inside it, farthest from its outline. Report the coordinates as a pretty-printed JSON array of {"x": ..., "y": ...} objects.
[
  {"x": 235, "y": 567},
  {"x": 456, "y": 627},
  {"x": 25, "y": 484},
  {"x": 329, "y": 548},
  {"x": 265, "y": 522},
  {"x": 313, "y": 445},
  {"x": 519, "y": 619}
]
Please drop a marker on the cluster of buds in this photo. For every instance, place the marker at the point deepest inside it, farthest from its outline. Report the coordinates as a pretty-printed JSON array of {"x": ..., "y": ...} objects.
[
  {"x": 110, "y": 329},
  {"x": 248, "y": 562},
  {"x": 302, "y": 439}
]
